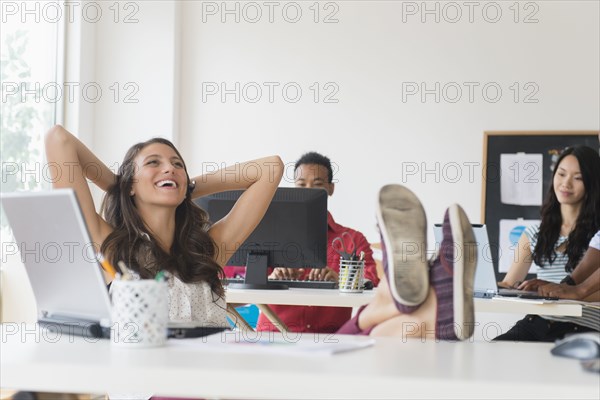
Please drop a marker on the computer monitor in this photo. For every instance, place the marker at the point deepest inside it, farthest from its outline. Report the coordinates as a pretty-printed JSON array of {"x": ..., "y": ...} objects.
[{"x": 292, "y": 234}]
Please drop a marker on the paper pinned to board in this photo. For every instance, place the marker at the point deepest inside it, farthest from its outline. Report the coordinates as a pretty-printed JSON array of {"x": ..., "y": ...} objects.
[
  {"x": 510, "y": 233},
  {"x": 521, "y": 180}
]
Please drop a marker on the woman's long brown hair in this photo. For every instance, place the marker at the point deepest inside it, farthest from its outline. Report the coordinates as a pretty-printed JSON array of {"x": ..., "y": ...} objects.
[
  {"x": 192, "y": 255},
  {"x": 588, "y": 220}
]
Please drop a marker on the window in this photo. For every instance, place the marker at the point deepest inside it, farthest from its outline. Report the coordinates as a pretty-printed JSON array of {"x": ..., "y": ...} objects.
[{"x": 30, "y": 92}]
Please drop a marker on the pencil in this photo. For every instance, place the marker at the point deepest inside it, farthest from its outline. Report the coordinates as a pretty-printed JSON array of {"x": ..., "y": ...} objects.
[
  {"x": 126, "y": 275},
  {"x": 107, "y": 266}
]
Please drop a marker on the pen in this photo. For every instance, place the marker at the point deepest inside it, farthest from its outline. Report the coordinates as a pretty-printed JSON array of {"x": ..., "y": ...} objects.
[
  {"x": 107, "y": 266},
  {"x": 162, "y": 276}
]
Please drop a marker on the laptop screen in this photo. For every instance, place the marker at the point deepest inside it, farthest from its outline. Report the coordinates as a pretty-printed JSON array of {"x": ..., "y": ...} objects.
[
  {"x": 59, "y": 256},
  {"x": 485, "y": 284}
]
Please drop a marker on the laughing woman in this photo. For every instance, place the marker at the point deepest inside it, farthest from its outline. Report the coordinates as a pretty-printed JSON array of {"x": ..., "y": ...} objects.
[{"x": 150, "y": 222}]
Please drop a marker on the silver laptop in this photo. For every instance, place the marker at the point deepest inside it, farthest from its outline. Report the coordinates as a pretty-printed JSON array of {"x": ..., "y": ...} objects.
[
  {"x": 59, "y": 256},
  {"x": 60, "y": 260},
  {"x": 485, "y": 284}
]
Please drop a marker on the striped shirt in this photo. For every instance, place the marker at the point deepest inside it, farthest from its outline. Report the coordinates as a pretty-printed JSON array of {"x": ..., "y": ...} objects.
[
  {"x": 595, "y": 243},
  {"x": 555, "y": 272}
]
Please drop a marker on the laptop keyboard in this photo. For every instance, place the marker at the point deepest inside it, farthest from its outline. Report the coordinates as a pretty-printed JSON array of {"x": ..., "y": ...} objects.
[{"x": 294, "y": 283}]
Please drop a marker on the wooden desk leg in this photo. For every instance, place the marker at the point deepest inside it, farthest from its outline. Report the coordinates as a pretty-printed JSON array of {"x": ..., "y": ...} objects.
[
  {"x": 274, "y": 318},
  {"x": 239, "y": 321}
]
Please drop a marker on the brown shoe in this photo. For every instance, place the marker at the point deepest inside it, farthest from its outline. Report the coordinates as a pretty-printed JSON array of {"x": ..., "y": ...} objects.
[{"x": 452, "y": 276}]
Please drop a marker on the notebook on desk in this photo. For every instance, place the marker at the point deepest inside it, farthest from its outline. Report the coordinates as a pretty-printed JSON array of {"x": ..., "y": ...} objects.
[
  {"x": 60, "y": 260},
  {"x": 485, "y": 284}
]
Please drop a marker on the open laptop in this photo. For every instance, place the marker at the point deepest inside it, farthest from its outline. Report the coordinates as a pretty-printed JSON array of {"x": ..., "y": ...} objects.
[
  {"x": 60, "y": 260},
  {"x": 485, "y": 284}
]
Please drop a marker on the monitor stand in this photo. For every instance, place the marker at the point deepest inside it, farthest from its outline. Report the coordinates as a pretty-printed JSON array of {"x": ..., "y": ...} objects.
[{"x": 256, "y": 275}]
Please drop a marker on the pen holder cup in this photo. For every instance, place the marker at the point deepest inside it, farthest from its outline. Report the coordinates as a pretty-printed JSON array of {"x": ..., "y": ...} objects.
[
  {"x": 351, "y": 276},
  {"x": 140, "y": 313}
]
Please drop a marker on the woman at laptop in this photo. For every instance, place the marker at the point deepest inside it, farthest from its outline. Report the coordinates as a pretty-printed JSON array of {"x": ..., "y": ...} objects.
[
  {"x": 149, "y": 221},
  {"x": 569, "y": 219}
]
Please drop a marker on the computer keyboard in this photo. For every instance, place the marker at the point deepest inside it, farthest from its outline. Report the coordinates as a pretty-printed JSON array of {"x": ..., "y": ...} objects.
[{"x": 295, "y": 283}]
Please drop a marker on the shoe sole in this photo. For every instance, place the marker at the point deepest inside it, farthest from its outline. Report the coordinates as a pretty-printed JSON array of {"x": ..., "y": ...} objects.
[
  {"x": 407, "y": 274},
  {"x": 464, "y": 272}
]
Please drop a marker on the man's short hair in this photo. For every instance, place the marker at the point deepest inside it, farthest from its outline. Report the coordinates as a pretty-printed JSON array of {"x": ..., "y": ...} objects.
[{"x": 318, "y": 159}]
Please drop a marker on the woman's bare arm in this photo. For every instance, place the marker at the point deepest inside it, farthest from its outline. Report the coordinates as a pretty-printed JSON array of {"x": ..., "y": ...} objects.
[
  {"x": 260, "y": 178},
  {"x": 520, "y": 266},
  {"x": 238, "y": 176},
  {"x": 589, "y": 264},
  {"x": 70, "y": 162}
]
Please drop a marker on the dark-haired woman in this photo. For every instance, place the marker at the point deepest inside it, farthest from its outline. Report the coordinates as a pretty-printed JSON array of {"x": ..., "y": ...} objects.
[
  {"x": 150, "y": 222},
  {"x": 569, "y": 219}
]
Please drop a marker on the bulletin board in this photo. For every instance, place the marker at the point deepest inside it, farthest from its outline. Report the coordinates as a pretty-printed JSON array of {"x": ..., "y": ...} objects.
[{"x": 516, "y": 165}]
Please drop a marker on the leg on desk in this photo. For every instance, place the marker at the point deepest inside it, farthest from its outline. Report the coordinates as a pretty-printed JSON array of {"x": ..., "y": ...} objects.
[
  {"x": 381, "y": 318},
  {"x": 446, "y": 311},
  {"x": 420, "y": 324},
  {"x": 380, "y": 309}
]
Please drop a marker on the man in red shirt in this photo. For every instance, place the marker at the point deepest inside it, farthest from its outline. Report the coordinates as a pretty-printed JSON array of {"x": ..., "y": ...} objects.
[{"x": 313, "y": 170}]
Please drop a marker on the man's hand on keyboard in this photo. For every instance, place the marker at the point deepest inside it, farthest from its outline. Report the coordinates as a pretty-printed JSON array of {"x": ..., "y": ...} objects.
[
  {"x": 287, "y": 273},
  {"x": 323, "y": 274}
]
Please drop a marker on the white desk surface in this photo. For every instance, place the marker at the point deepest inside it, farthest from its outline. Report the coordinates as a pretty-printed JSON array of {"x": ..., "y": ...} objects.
[
  {"x": 522, "y": 306},
  {"x": 295, "y": 297},
  {"x": 390, "y": 369},
  {"x": 333, "y": 298}
]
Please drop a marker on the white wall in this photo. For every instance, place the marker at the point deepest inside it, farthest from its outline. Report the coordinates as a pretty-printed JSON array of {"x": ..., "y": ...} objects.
[
  {"x": 141, "y": 54},
  {"x": 130, "y": 53},
  {"x": 371, "y": 134}
]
